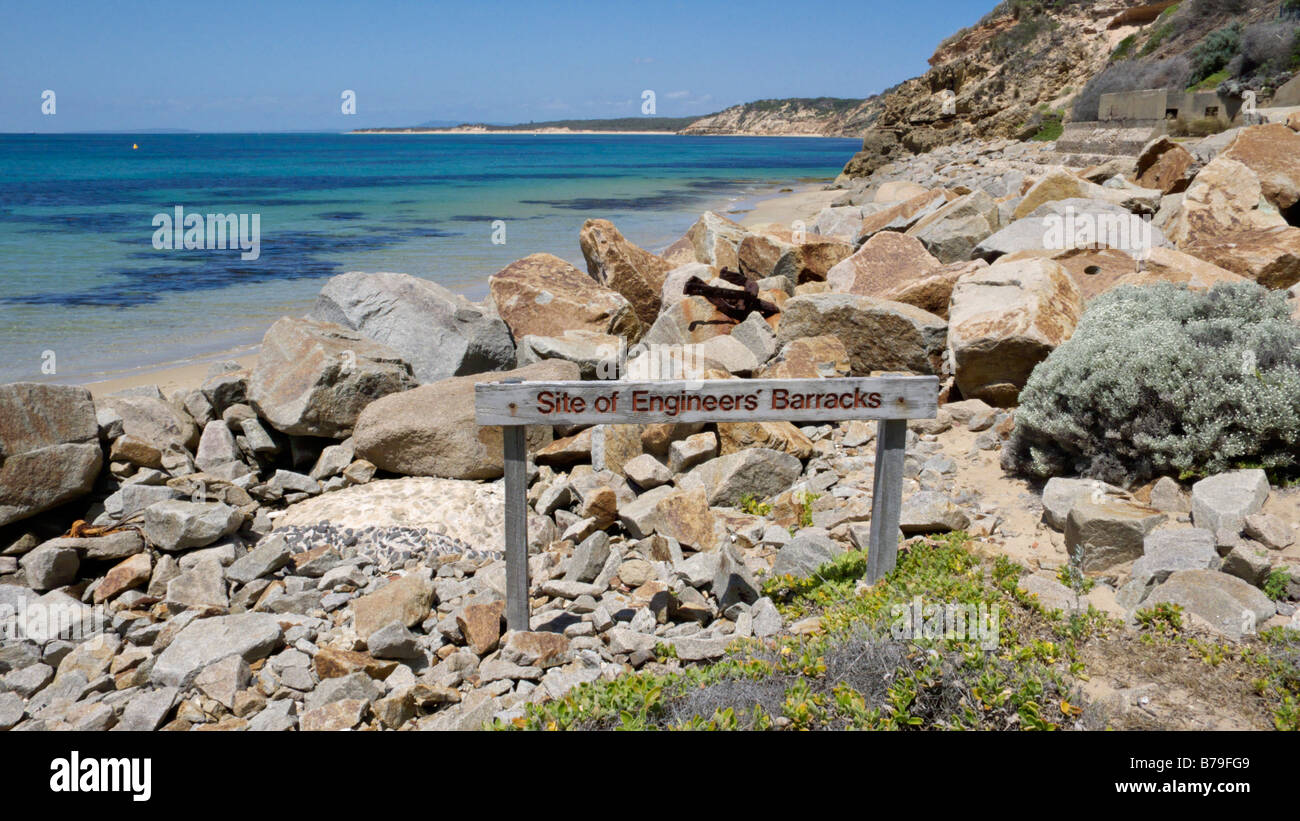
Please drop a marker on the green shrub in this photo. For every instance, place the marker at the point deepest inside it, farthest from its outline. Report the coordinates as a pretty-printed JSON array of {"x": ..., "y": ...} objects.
[
  {"x": 1124, "y": 49},
  {"x": 1157, "y": 37},
  {"x": 1200, "y": 127},
  {"x": 1267, "y": 46},
  {"x": 1215, "y": 51},
  {"x": 1161, "y": 380}
]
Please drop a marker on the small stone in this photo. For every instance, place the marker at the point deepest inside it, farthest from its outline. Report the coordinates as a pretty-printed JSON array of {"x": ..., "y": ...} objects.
[
  {"x": 588, "y": 558},
  {"x": 202, "y": 585},
  {"x": 132, "y": 572},
  {"x": 647, "y": 472},
  {"x": 807, "y": 551},
  {"x": 11, "y": 710},
  {"x": 224, "y": 680},
  {"x": 394, "y": 641},
  {"x": 767, "y": 619},
  {"x": 480, "y": 624},
  {"x": 931, "y": 512},
  {"x": 530, "y": 649},
  {"x": 1168, "y": 497},
  {"x": 339, "y": 715},
  {"x": 270, "y": 554},
  {"x": 50, "y": 566},
  {"x": 636, "y": 572},
  {"x": 28, "y": 680},
  {"x": 146, "y": 711},
  {"x": 405, "y": 600}
]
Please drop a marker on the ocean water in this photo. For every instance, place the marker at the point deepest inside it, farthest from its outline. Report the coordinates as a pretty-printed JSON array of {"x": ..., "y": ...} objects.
[{"x": 83, "y": 288}]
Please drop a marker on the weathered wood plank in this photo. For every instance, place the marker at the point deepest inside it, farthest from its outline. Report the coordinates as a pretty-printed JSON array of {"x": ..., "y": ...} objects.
[
  {"x": 886, "y": 498},
  {"x": 714, "y": 400},
  {"x": 516, "y": 490}
]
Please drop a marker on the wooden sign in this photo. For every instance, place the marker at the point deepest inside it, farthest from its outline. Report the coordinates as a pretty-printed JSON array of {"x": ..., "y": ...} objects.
[
  {"x": 711, "y": 400},
  {"x": 891, "y": 400}
]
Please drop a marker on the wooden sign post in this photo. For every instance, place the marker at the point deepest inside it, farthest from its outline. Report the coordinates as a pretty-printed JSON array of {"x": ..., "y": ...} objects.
[{"x": 891, "y": 400}]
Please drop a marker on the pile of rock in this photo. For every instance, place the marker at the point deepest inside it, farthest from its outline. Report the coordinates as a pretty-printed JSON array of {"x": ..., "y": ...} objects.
[
  {"x": 316, "y": 542},
  {"x": 1210, "y": 551}
]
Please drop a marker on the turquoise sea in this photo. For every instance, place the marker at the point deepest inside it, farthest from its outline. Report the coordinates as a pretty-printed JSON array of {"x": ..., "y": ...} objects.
[{"x": 80, "y": 276}]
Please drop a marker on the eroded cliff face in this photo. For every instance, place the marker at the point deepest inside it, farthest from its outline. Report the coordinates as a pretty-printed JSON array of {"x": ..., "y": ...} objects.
[
  {"x": 821, "y": 117},
  {"x": 991, "y": 80}
]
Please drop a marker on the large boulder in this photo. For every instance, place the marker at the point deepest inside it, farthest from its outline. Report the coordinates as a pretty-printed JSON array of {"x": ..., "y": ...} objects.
[
  {"x": 774, "y": 435},
  {"x": 1006, "y": 319},
  {"x": 693, "y": 319},
  {"x": 809, "y": 357},
  {"x": 469, "y": 511},
  {"x": 49, "y": 448},
  {"x": 618, "y": 264},
  {"x": 1269, "y": 256},
  {"x": 1061, "y": 184},
  {"x": 1102, "y": 533},
  {"x": 595, "y": 354},
  {"x": 1170, "y": 265},
  {"x": 543, "y": 295},
  {"x": 1226, "y": 218},
  {"x": 799, "y": 257},
  {"x": 1223, "y": 501},
  {"x": 1273, "y": 152},
  {"x": 430, "y": 431},
  {"x": 151, "y": 426},
  {"x": 1225, "y": 199},
  {"x": 876, "y": 333},
  {"x": 841, "y": 222},
  {"x": 1164, "y": 165},
  {"x": 933, "y": 292},
  {"x": 176, "y": 524},
  {"x": 1071, "y": 225},
  {"x": 250, "y": 636},
  {"x": 716, "y": 240},
  {"x": 883, "y": 262},
  {"x": 759, "y": 471},
  {"x": 952, "y": 232},
  {"x": 438, "y": 332},
  {"x": 1226, "y": 603},
  {"x": 904, "y": 215},
  {"x": 312, "y": 378}
]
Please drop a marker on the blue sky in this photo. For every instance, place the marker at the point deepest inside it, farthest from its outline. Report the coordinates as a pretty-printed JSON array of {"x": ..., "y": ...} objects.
[{"x": 275, "y": 66}]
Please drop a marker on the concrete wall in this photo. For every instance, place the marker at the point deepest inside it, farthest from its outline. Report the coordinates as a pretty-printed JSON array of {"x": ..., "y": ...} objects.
[
  {"x": 1132, "y": 105},
  {"x": 1158, "y": 104}
]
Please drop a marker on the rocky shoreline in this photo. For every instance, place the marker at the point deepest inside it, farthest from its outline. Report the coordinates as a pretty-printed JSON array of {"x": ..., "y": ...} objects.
[{"x": 314, "y": 542}]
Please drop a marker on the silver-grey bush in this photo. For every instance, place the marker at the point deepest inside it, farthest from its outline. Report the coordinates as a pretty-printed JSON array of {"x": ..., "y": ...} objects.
[{"x": 1159, "y": 380}]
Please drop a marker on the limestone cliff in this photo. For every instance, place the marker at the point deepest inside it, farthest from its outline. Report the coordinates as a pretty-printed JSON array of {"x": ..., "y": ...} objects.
[
  {"x": 1028, "y": 60},
  {"x": 820, "y": 116}
]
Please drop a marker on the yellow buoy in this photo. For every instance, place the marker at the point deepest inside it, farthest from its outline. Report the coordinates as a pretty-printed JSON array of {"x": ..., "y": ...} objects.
[{"x": 134, "y": 146}]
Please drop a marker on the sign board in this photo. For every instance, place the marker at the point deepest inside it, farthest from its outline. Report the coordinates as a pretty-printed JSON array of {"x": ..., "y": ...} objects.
[{"x": 891, "y": 400}]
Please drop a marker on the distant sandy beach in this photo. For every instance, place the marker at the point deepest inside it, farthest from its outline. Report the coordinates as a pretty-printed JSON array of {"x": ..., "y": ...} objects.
[{"x": 551, "y": 132}]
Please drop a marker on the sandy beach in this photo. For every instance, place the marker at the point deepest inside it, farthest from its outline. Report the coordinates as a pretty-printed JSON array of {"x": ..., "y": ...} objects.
[
  {"x": 786, "y": 208},
  {"x": 172, "y": 377}
]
